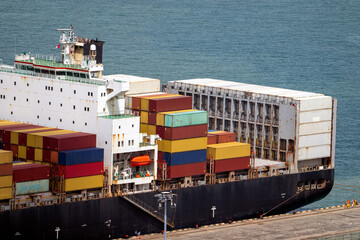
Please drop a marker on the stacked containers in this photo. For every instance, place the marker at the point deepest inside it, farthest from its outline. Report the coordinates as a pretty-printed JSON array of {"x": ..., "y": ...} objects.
[
  {"x": 229, "y": 156},
  {"x": 30, "y": 178},
  {"x": 6, "y": 173},
  {"x": 81, "y": 168},
  {"x": 215, "y": 137}
]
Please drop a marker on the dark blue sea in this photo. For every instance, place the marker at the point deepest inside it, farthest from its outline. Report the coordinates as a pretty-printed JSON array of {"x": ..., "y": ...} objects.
[{"x": 303, "y": 45}]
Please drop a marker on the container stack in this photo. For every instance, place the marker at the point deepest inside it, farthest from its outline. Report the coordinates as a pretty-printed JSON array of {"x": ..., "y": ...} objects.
[
  {"x": 215, "y": 137},
  {"x": 30, "y": 178},
  {"x": 6, "y": 174},
  {"x": 231, "y": 156},
  {"x": 81, "y": 169}
]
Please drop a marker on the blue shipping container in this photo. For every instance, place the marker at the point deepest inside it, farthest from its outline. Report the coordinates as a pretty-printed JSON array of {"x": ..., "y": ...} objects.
[
  {"x": 80, "y": 156},
  {"x": 173, "y": 159},
  {"x": 38, "y": 186}
]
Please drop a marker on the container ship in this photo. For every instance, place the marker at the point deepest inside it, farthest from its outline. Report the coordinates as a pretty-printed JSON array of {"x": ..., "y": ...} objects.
[{"x": 85, "y": 155}]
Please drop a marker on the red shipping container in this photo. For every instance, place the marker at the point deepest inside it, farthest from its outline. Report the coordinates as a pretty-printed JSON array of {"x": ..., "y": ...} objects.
[
  {"x": 136, "y": 101},
  {"x": 14, "y": 149},
  {"x": 152, "y": 118},
  {"x": 54, "y": 157},
  {"x": 160, "y": 157},
  {"x": 6, "y": 169},
  {"x": 186, "y": 170},
  {"x": 6, "y": 131},
  {"x": 46, "y": 155},
  {"x": 6, "y": 146},
  {"x": 224, "y": 137},
  {"x": 170, "y": 104},
  {"x": 47, "y": 140},
  {"x": 30, "y": 172},
  {"x": 182, "y": 132},
  {"x": 232, "y": 164},
  {"x": 72, "y": 141},
  {"x": 211, "y": 139},
  {"x": 80, "y": 170},
  {"x": 23, "y": 136},
  {"x": 30, "y": 153}
]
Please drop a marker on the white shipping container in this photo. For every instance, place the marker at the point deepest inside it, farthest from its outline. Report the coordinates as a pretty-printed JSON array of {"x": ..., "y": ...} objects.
[
  {"x": 314, "y": 140},
  {"x": 314, "y": 152},
  {"x": 315, "y": 116},
  {"x": 320, "y": 102},
  {"x": 314, "y": 128}
]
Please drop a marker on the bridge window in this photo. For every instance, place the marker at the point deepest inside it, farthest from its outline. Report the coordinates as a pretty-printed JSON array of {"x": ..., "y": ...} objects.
[
  {"x": 69, "y": 74},
  {"x": 60, "y": 73},
  {"x": 76, "y": 74}
]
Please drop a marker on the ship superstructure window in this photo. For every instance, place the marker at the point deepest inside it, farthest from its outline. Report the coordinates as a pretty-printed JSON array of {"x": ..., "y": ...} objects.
[
  {"x": 37, "y": 70},
  {"x": 82, "y": 75},
  {"x": 27, "y": 84},
  {"x": 122, "y": 143},
  {"x": 70, "y": 74},
  {"x": 45, "y": 71},
  {"x": 49, "y": 103},
  {"x": 27, "y": 99},
  {"x": 1, "y": 81},
  {"x": 52, "y": 72},
  {"x": 60, "y": 120},
  {"x": 73, "y": 122},
  {"x": 60, "y": 104},
  {"x": 60, "y": 89},
  {"x": 38, "y": 101},
  {"x": 11, "y": 113},
  {"x": 132, "y": 142},
  {"x": 49, "y": 118},
  {"x": 15, "y": 83},
  {"x": 74, "y": 91},
  {"x": 118, "y": 143},
  {"x": 76, "y": 75},
  {"x": 86, "y": 124},
  {"x": 60, "y": 73},
  {"x": 37, "y": 116},
  {"x": 14, "y": 98},
  {"x": 30, "y": 68}
]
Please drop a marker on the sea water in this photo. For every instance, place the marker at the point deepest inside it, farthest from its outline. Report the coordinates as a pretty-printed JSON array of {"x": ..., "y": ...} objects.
[{"x": 302, "y": 45}]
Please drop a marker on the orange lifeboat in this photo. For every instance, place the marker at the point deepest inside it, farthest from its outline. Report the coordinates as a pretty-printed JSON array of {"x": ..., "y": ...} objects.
[{"x": 140, "y": 161}]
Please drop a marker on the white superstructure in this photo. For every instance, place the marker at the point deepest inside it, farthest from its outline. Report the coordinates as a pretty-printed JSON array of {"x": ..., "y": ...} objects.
[{"x": 72, "y": 94}]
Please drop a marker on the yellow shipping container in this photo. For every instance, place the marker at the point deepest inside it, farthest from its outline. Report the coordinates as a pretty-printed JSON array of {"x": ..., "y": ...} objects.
[
  {"x": 6, "y": 156},
  {"x": 6, "y": 181},
  {"x": 144, "y": 102},
  {"x": 144, "y": 117},
  {"x": 15, "y": 134},
  {"x": 151, "y": 130},
  {"x": 5, "y": 193},
  {"x": 80, "y": 183},
  {"x": 160, "y": 116},
  {"x": 8, "y": 123},
  {"x": 184, "y": 145},
  {"x": 36, "y": 139},
  {"x": 228, "y": 150},
  {"x": 38, "y": 154},
  {"x": 22, "y": 152},
  {"x": 14, "y": 138},
  {"x": 143, "y": 128}
]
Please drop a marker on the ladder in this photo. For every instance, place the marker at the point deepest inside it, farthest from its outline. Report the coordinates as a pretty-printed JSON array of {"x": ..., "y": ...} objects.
[{"x": 148, "y": 209}]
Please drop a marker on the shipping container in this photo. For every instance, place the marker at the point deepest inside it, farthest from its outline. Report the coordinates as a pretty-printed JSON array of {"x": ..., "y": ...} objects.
[
  {"x": 144, "y": 105},
  {"x": 5, "y": 193},
  {"x": 211, "y": 139},
  {"x": 231, "y": 164},
  {"x": 6, "y": 157},
  {"x": 160, "y": 157},
  {"x": 228, "y": 150},
  {"x": 81, "y": 156},
  {"x": 143, "y": 128},
  {"x": 14, "y": 132},
  {"x": 144, "y": 116},
  {"x": 31, "y": 187},
  {"x": 81, "y": 183},
  {"x": 80, "y": 170},
  {"x": 6, "y": 181},
  {"x": 6, "y": 169},
  {"x": 38, "y": 154},
  {"x": 183, "y": 145},
  {"x": 173, "y": 159},
  {"x": 136, "y": 100},
  {"x": 23, "y": 133},
  {"x": 71, "y": 141},
  {"x": 21, "y": 152},
  {"x": 5, "y": 133},
  {"x": 160, "y": 116},
  {"x": 185, "y": 119},
  {"x": 28, "y": 138},
  {"x": 152, "y": 118},
  {"x": 170, "y": 104},
  {"x": 224, "y": 137},
  {"x": 186, "y": 170},
  {"x": 182, "y": 132},
  {"x": 30, "y": 172},
  {"x": 151, "y": 130},
  {"x": 36, "y": 139},
  {"x": 14, "y": 148}
]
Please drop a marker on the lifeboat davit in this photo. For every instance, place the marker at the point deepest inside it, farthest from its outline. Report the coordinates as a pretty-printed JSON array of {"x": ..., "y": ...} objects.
[{"x": 140, "y": 161}]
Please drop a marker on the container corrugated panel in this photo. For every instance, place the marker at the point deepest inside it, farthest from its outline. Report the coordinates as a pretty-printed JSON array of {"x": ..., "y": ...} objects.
[
  {"x": 160, "y": 157},
  {"x": 80, "y": 170},
  {"x": 145, "y": 100},
  {"x": 232, "y": 164},
  {"x": 40, "y": 135},
  {"x": 47, "y": 140},
  {"x": 224, "y": 137},
  {"x": 170, "y": 104},
  {"x": 6, "y": 131},
  {"x": 6, "y": 169},
  {"x": 152, "y": 118},
  {"x": 5, "y": 193},
  {"x": 211, "y": 139},
  {"x": 14, "y": 149},
  {"x": 31, "y": 187},
  {"x": 182, "y": 132},
  {"x": 186, "y": 119},
  {"x": 6, "y": 181},
  {"x": 186, "y": 170},
  {"x": 160, "y": 117},
  {"x": 80, "y": 183},
  {"x": 183, "y": 145},
  {"x": 46, "y": 155},
  {"x": 23, "y": 134},
  {"x": 136, "y": 100},
  {"x": 6, "y": 157},
  {"x": 228, "y": 150},
  {"x": 143, "y": 128},
  {"x": 30, "y": 172},
  {"x": 173, "y": 159},
  {"x": 144, "y": 116},
  {"x": 31, "y": 137},
  {"x": 72, "y": 141},
  {"x": 81, "y": 156},
  {"x": 151, "y": 130},
  {"x": 38, "y": 153},
  {"x": 14, "y": 133},
  {"x": 22, "y": 152}
]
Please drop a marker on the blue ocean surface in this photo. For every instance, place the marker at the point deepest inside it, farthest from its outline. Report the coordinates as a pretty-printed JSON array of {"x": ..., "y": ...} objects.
[{"x": 303, "y": 45}]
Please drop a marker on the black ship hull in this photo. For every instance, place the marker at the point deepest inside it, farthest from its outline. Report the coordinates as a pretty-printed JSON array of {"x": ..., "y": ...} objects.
[{"x": 117, "y": 217}]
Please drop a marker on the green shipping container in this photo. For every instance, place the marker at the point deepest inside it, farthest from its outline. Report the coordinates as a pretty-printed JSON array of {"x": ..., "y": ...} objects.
[
  {"x": 38, "y": 186},
  {"x": 183, "y": 119}
]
